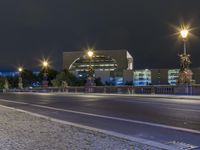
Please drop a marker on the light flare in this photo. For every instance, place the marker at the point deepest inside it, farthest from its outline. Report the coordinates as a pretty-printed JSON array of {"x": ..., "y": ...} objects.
[
  {"x": 184, "y": 33},
  {"x": 20, "y": 69},
  {"x": 90, "y": 53}
]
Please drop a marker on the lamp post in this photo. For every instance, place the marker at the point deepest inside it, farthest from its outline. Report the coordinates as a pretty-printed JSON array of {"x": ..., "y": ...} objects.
[
  {"x": 20, "y": 83},
  {"x": 90, "y": 78},
  {"x": 90, "y": 54},
  {"x": 45, "y": 65},
  {"x": 184, "y": 35},
  {"x": 185, "y": 74}
]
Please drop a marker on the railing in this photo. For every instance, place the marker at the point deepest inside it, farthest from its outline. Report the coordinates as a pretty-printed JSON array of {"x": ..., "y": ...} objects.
[{"x": 166, "y": 89}]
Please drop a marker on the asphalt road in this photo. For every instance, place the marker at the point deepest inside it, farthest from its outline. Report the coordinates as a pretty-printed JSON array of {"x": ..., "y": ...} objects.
[{"x": 158, "y": 119}]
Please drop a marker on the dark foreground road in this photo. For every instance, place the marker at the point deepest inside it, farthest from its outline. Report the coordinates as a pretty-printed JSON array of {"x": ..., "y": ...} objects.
[{"x": 163, "y": 120}]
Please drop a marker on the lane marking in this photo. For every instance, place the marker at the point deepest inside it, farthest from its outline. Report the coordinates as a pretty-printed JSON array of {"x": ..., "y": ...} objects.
[
  {"x": 109, "y": 117},
  {"x": 107, "y": 132}
]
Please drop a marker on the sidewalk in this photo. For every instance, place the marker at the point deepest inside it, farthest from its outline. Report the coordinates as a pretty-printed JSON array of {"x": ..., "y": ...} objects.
[{"x": 23, "y": 131}]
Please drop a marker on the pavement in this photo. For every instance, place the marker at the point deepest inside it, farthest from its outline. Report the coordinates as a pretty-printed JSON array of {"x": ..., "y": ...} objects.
[
  {"x": 21, "y": 130},
  {"x": 173, "y": 121}
]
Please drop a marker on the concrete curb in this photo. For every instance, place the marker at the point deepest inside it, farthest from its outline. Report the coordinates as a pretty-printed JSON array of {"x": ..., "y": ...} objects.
[{"x": 111, "y": 133}]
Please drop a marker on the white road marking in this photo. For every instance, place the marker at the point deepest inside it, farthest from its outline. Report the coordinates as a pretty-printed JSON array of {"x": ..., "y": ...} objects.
[{"x": 109, "y": 117}]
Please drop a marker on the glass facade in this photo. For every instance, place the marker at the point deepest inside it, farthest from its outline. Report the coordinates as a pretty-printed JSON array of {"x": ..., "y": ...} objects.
[
  {"x": 173, "y": 76},
  {"x": 142, "y": 77},
  {"x": 98, "y": 62}
]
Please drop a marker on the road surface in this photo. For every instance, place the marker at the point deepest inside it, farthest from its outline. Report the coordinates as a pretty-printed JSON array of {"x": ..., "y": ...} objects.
[{"x": 163, "y": 120}]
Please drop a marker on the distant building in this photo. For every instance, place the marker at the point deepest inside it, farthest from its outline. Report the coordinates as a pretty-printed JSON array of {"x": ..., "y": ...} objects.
[
  {"x": 8, "y": 73},
  {"x": 112, "y": 66},
  {"x": 155, "y": 77},
  {"x": 161, "y": 76},
  {"x": 13, "y": 73},
  {"x": 196, "y": 75},
  {"x": 116, "y": 67},
  {"x": 173, "y": 76},
  {"x": 142, "y": 77}
]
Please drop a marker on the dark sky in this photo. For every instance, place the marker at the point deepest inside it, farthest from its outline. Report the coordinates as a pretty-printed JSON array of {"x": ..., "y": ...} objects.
[{"x": 32, "y": 29}]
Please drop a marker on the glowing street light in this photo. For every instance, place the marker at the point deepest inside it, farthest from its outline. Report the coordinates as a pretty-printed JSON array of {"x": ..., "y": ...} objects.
[
  {"x": 90, "y": 53},
  {"x": 185, "y": 74},
  {"x": 184, "y": 33},
  {"x": 20, "y": 83},
  {"x": 45, "y": 64},
  {"x": 90, "y": 80},
  {"x": 20, "y": 69}
]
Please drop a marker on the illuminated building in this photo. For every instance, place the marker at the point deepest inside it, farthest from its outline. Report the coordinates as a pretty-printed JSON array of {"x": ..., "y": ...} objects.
[
  {"x": 110, "y": 65},
  {"x": 173, "y": 76},
  {"x": 142, "y": 77},
  {"x": 116, "y": 67}
]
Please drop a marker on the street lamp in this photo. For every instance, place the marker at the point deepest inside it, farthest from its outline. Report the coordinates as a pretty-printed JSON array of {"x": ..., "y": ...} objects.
[
  {"x": 185, "y": 74},
  {"x": 184, "y": 34},
  {"x": 20, "y": 83},
  {"x": 90, "y": 79},
  {"x": 90, "y": 53},
  {"x": 20, "y": 69},
  {"x": 45, "y": 65}
]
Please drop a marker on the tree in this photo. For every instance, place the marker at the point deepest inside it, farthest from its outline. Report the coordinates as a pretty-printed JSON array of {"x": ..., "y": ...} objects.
[
  {"x": 28, "y": 78},
  {"x": 69, "y": 78},
  {"x": 51, "y": 74},
  {"x": 13, "y": 81},
  {"x": 2, "y": 82}
]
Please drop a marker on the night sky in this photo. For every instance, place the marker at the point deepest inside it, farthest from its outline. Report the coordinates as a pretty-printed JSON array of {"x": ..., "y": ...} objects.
[{"x": 32, "y": 29}]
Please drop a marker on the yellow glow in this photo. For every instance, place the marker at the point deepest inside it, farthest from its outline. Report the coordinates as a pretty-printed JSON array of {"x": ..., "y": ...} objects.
[
  {"x": 184, "y": 33},
  {"x": 90, "y": 53},
  {"x": 45, "y": 63},
  {"x": 20, "y": 69}
]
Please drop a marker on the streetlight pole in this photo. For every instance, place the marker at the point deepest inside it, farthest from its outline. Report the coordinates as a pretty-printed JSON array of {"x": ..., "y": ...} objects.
[
  {"x": 45, "y": 65},
  {"x": 90, "y": 69},
  {"x": 184, "y": 34},
  {"x": 90, "y": 78},
  {"x": 20, "y": 83},
  {"x": 185, "y": 74}
]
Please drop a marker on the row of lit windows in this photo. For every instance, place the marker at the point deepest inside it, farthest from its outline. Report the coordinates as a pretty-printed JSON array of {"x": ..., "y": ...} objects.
[
  {"x": 112, "y": 69},
  {"x": 96, "y": 65},
  {"x": 93, "y": 61},
  {"x": 95, "y": 68}
]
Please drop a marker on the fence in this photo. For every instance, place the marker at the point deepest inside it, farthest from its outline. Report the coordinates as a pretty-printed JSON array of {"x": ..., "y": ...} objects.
[{"x": 166, "y": 89}]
